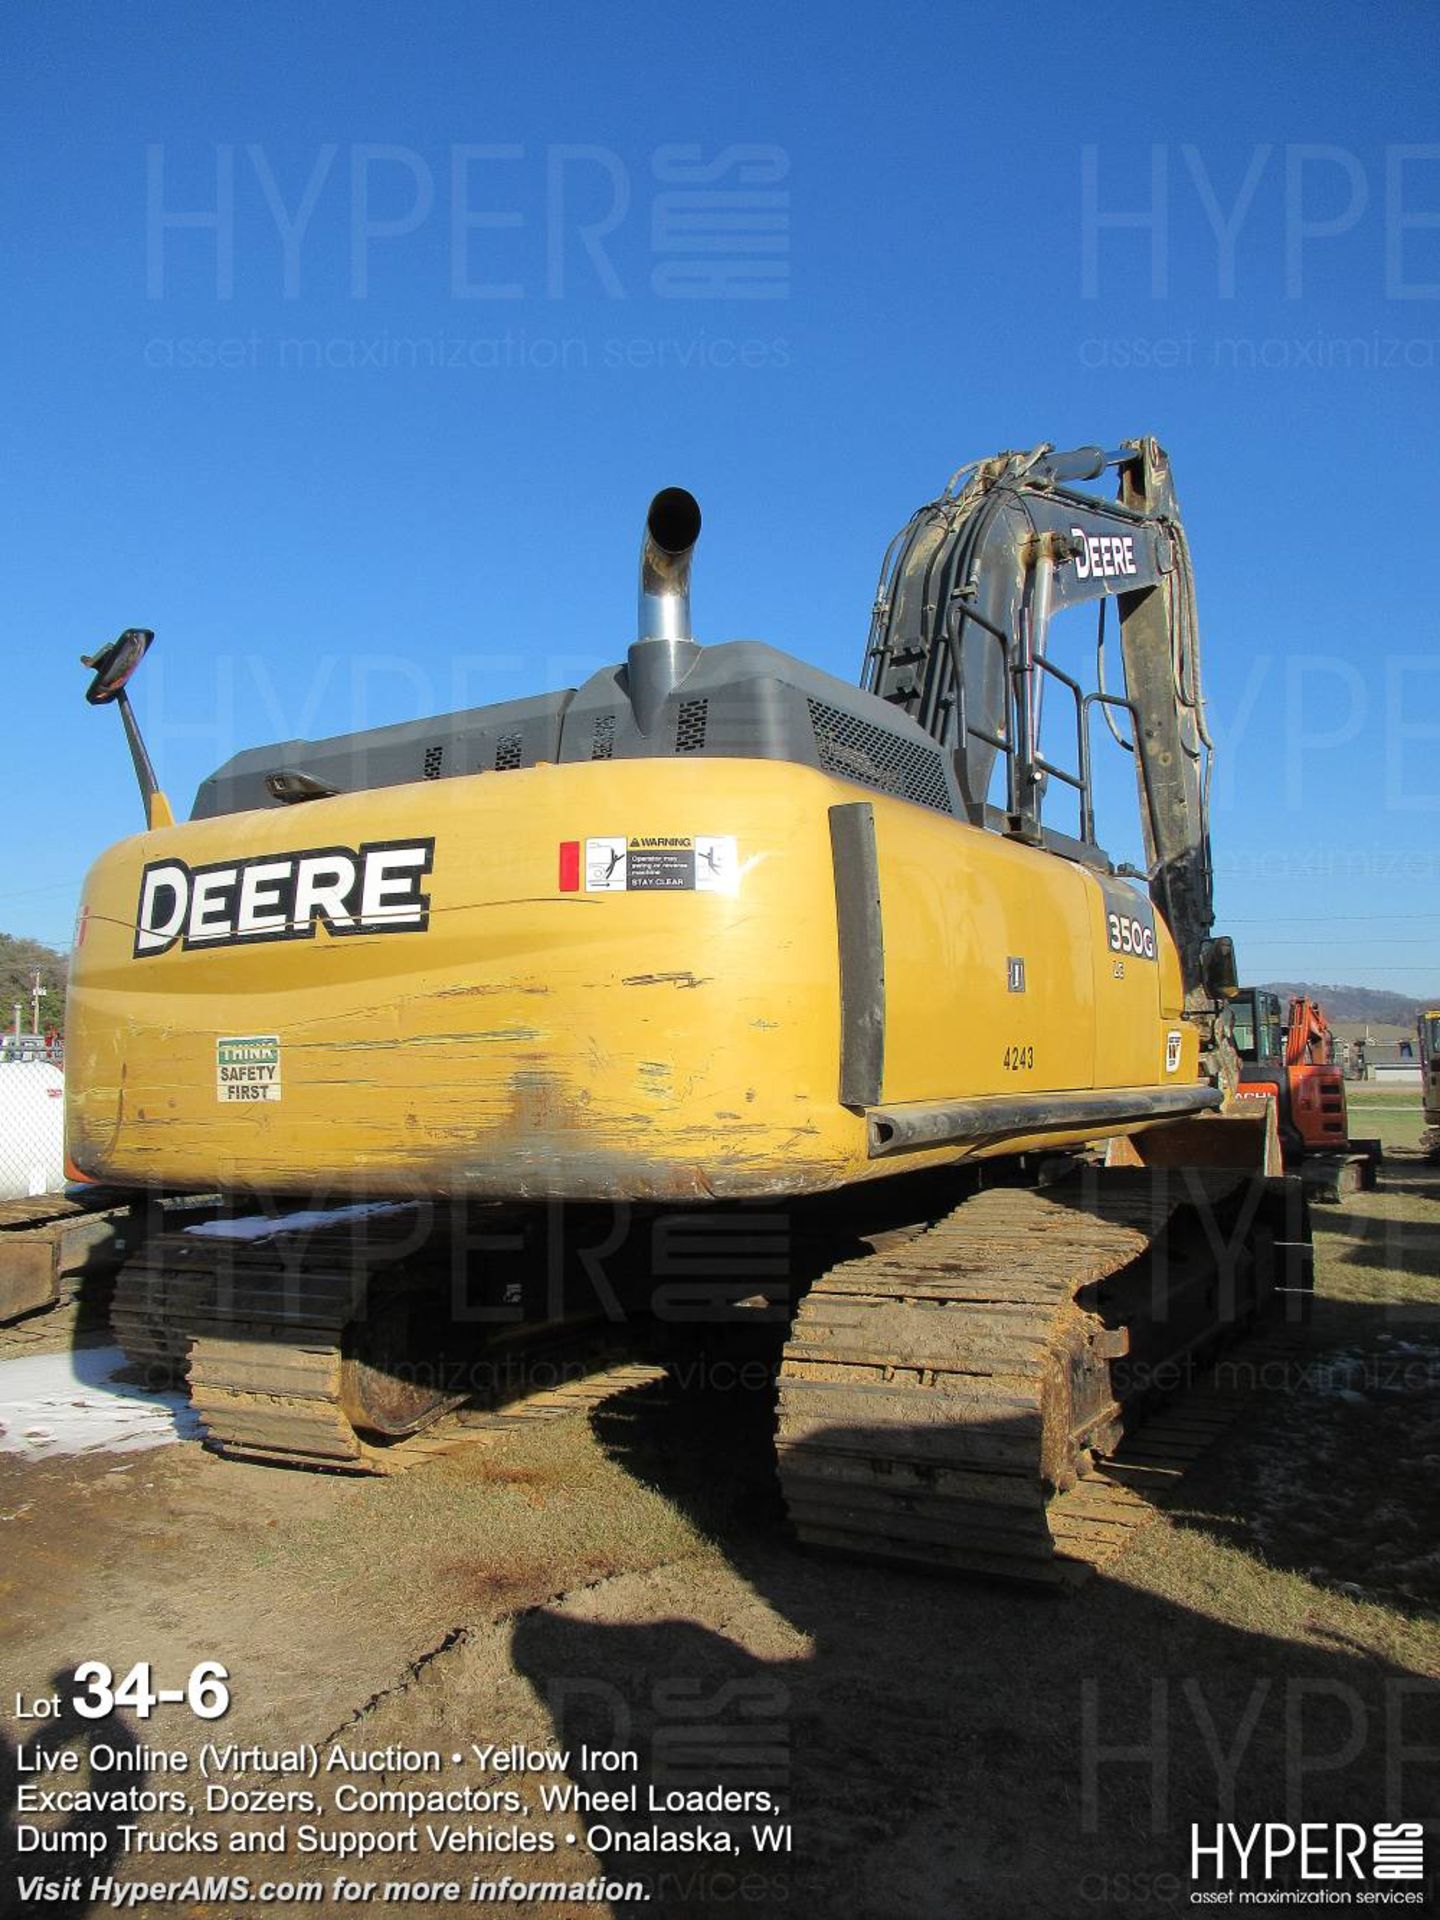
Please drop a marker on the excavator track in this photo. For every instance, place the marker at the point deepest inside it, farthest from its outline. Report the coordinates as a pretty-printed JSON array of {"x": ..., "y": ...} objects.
[
  {"x": 943, "y": 1403},
  {"x": 281, "y": 1400},
  {"x": 50, "y": 1245},
  {"x": 154, "y": 1345},
  {"x": 266, "y": 1334}
]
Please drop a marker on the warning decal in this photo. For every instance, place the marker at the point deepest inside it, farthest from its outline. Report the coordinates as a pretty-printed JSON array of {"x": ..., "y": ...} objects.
[
  {"x": 247, "y": 1067},
  {"x": 659, "y": 863}
]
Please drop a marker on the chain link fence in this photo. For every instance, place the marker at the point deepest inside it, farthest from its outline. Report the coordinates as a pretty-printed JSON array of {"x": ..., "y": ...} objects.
[{"x": 32, "y": 1123}]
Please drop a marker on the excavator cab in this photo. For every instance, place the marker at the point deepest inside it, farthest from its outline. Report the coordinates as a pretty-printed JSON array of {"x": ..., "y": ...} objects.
[{"x": 1257, "y": 1032}]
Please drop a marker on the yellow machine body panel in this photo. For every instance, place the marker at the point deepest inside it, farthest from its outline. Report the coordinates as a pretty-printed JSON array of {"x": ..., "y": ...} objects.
[
  {"x": 961, "y": 907},
  {"x": 490, "y": 1024}
]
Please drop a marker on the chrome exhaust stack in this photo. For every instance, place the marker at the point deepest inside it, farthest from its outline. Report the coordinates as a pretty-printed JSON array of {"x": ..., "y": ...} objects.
[{"x": 664, "y": 650}]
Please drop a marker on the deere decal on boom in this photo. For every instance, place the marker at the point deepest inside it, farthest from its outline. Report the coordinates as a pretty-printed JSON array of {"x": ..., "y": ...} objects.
[{"x": 711, "y": 929}]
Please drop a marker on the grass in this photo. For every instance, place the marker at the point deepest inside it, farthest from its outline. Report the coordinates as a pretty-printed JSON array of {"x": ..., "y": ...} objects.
[
  {"x": 1336, "y": 1481},
  {"x": 1393, "y": 1113},
  {"x": 497, "y": 1527}
]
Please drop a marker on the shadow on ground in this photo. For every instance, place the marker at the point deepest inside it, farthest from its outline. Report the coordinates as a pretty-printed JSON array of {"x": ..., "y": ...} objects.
[
  {"x": 78, "y": 1845},
  {"x": 946, "y": 1749}
]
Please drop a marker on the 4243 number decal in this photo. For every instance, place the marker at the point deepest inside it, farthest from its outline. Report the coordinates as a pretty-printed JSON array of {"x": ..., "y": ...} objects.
[
  {"x": 1129, "y": 935},
  {"x": 1017, "y": 1058}
]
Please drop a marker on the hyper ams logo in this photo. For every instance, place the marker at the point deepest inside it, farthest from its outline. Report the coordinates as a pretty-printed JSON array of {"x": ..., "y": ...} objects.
[{"x": 375, "y": 888}]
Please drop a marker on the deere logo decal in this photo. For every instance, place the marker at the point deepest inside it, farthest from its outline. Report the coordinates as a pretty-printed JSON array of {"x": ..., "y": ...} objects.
[
  {"x": 1103, "y": 556},
  {"x": 375, "y": 888}
]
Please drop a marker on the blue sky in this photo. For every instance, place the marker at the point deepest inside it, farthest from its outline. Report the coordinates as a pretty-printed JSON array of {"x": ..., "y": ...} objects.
[{"x": 401, "y": 465}]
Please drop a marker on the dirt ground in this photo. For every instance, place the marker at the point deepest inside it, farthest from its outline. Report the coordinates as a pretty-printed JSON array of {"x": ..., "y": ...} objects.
[{"x": 1269, "y": 1649}]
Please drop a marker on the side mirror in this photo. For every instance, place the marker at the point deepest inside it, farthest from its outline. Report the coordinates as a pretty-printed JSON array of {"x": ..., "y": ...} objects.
[
  {"x": 113, "y": 665},
  {"x": 1217, "y": 967}
]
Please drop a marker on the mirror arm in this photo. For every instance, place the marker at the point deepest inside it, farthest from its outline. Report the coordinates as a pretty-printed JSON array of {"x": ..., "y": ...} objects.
[
  {"x": 144, "y": 770},
  {"x": 157, "y": 807}
]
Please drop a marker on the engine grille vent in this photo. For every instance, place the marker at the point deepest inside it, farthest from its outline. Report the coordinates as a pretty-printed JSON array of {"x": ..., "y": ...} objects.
[
  {"x": 602, "y": 745},
  {"x": 690, "y": 726},
  {"x": 434, "y": 764},
  {"x": 508, "y": 750},
  {"x": 858, "y": 750}
]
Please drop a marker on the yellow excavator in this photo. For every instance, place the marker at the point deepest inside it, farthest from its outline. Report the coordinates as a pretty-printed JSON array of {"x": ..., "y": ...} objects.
[{"x": 713, "y": 934}]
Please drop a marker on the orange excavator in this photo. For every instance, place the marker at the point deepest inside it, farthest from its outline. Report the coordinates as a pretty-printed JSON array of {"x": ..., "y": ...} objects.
[
  {"x": 1428, "y": 1029},
  {"x": 1290, "y": 1059}
]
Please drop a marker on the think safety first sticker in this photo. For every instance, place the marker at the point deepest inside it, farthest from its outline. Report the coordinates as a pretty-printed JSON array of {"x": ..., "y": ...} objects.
[
  {"x": 650, "y": 863},
  {"x": 248, "y": 1067}
]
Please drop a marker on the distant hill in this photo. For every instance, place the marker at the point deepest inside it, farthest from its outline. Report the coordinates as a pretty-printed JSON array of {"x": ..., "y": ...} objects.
[
  {"x": 19, "y": 960},
  {"x": 1357, "y": 1003}
]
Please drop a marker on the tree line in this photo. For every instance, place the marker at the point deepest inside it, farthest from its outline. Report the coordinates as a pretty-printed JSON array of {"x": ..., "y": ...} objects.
[{"x": 20, "y": 960}]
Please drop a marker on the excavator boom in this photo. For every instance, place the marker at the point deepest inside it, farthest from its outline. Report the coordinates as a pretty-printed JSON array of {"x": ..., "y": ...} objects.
[
  {"x": 1308, "y": 1038},
  {"x": 958, "y": 641}
]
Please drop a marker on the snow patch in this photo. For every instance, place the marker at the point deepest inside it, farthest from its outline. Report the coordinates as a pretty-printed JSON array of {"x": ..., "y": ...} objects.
[
  {"x": 264, "y": 1226},
  {"x": 71, "y": 1403}
]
